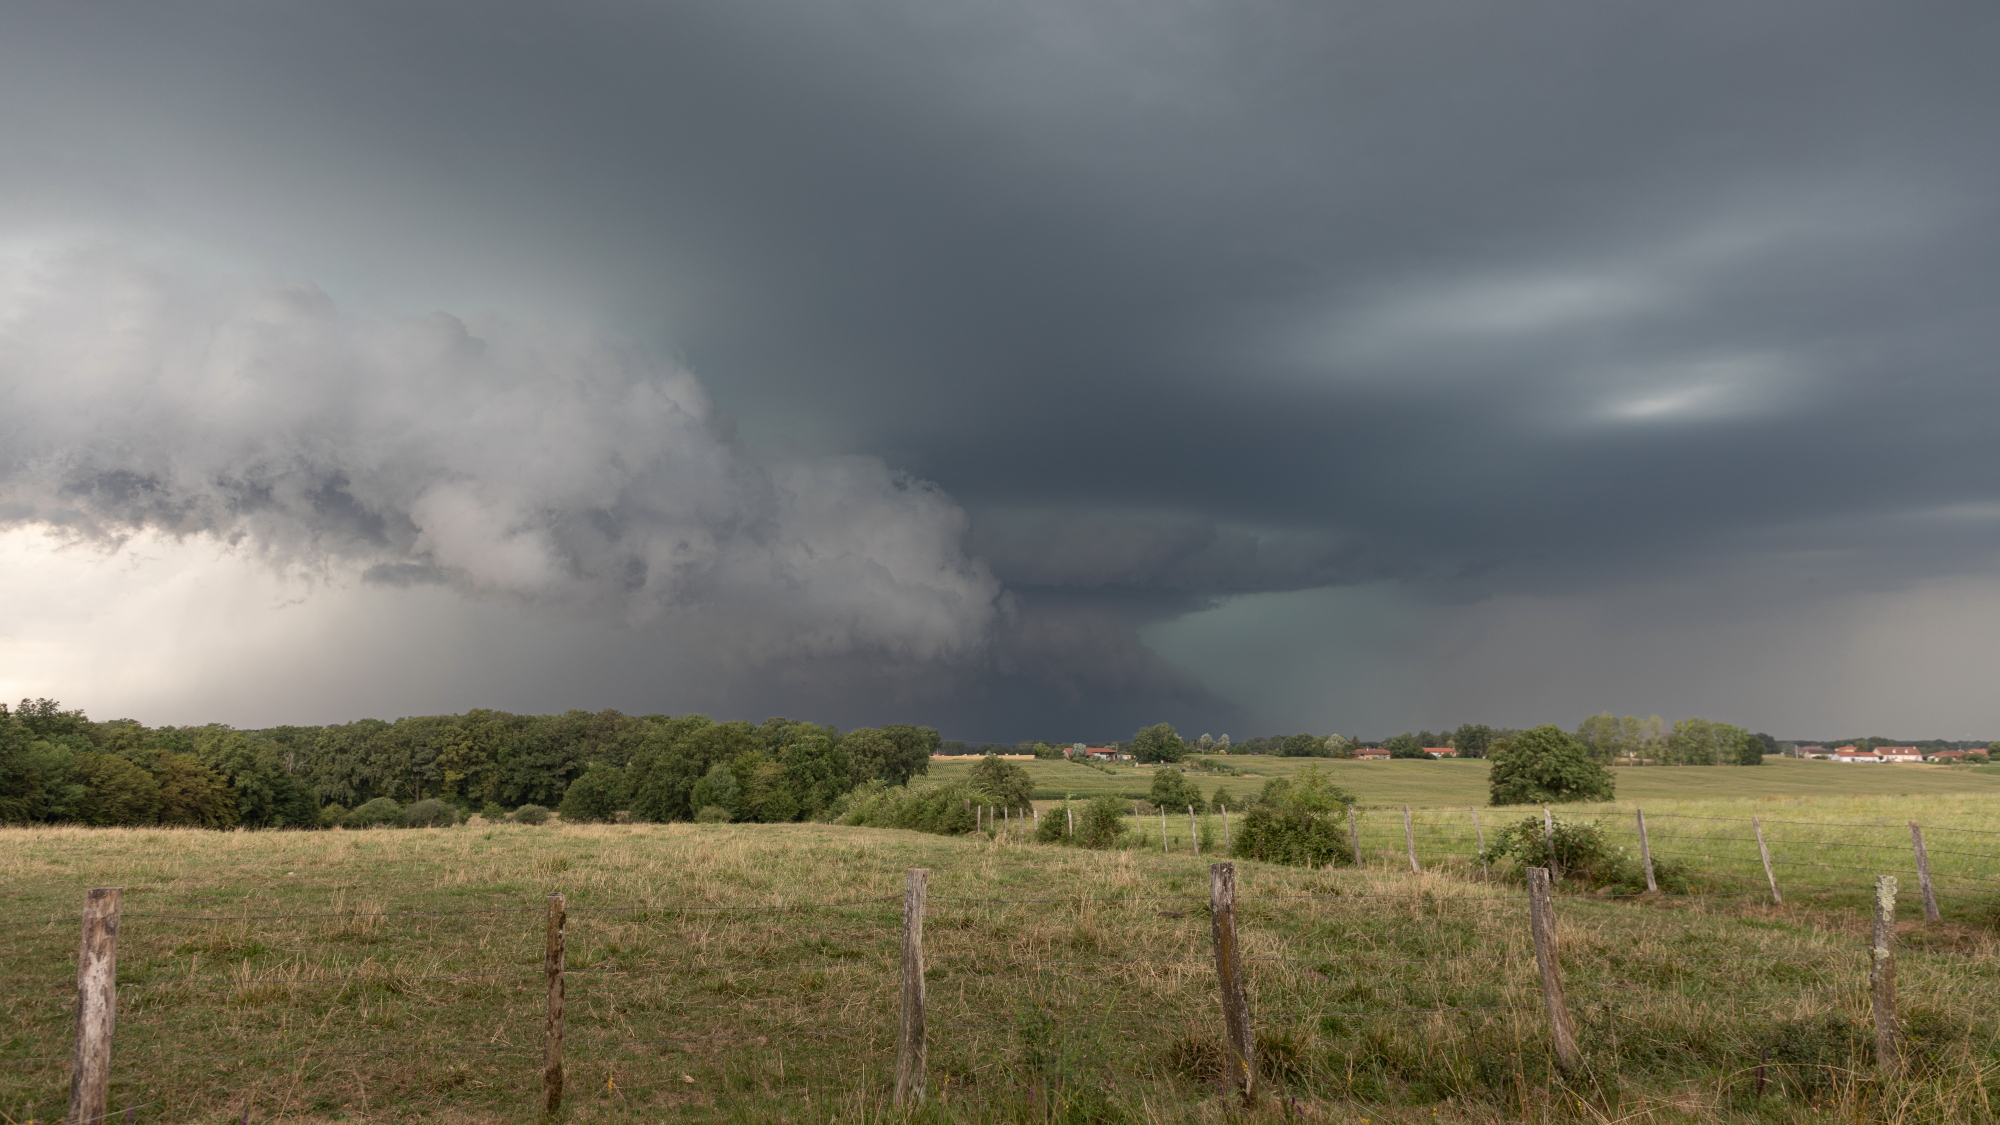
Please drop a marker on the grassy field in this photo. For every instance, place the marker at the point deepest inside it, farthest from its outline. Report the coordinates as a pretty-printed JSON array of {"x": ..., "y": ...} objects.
[
  {"x": 746, "y": 973},
  {"x": 1449, "y": 783}
]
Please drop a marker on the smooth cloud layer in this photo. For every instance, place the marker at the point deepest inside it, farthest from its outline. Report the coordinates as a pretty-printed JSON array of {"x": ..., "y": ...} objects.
[{"x": 500, "y": 458}]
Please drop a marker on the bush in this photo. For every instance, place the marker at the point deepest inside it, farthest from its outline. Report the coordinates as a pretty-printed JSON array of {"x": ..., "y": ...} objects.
[
  {"x": 1054, "y": 828},
  {"x": 941, "y": 808},
  {"x": 429, "y": 813},
  {"x": 492, "y": 812},
  {"x": 1102, "y": 822},
  {"x": 1545, "y": 766},
  {"x": 1004, "y": 783},
  {"x": 712, "y": 814},
  {"x": 530, "y": 814},
  {"x": 381, "y": 810},
  {"x": 332, "y": 814},
  {"x": 1172, "y": 790},
  {"x": 1582, "y": 856},
  {"x": 1295, "y": 821},
  {"x": 594, "y": 797}
]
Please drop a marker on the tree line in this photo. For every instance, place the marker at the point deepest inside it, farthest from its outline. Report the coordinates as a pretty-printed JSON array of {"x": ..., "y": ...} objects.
[{"x": 58, "y": 766}]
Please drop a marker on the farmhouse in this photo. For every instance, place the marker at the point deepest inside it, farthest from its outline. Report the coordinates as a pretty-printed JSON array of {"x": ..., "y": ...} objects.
[
  {"x": 1375, "y": 752},
  {"x": 1441, "y": 751},
  {"x": 1850, "y": 754},
  {"x": 1899, "y": 753},
  {"x": 1946, "y": 756}
]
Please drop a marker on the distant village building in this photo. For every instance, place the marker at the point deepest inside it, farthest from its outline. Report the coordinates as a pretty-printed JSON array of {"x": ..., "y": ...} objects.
[
  {"x": 1375, "y": 752},
  {"x": 1811, "y": 751},
  {"x": 1851, "y": 754},
  {"x": 1899, "y": 753},
  {"x": 1441, "y": 751},
  {"x": 1946, "y": 755}
]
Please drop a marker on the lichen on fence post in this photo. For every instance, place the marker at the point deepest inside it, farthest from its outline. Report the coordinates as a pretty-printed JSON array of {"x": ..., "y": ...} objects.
[
  {"x": 1542, "y": 923},
  {"x": 1229, "y": 976},
  {"x": 1882, "y": 978}
]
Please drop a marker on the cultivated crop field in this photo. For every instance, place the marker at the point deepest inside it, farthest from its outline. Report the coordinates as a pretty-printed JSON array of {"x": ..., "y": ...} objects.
[
  {"x": 1452, "y": 783},
  {"x": 748, "y": 973}
]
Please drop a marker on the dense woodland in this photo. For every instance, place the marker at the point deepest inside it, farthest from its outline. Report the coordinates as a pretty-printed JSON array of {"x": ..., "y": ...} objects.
[{"x": 58, "y": 766}]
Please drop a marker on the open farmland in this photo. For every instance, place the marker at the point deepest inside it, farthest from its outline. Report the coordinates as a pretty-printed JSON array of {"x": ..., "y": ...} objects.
[
  {"x": 1451, "y": 783},
  {"x": 748, "y": 973}
]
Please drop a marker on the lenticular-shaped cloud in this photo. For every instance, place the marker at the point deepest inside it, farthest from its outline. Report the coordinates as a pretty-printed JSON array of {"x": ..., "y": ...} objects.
[{"x": 502, "y": 458}]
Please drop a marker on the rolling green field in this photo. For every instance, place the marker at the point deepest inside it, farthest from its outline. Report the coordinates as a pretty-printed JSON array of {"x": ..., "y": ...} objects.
[
  {"x": 747, "y": 973},
  {"x": 1449, "y": 783}
]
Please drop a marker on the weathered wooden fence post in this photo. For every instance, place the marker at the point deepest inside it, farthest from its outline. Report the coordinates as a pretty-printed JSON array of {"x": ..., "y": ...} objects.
[
  {"x": 1542, "y": 922},
  {"x": 1549, "y": 838},
  {"x": 1882, "y": 978},
  {"x": 552, "y": 1030},
  {"x": 1194, "y": 833},
  {"x": 1924, "y": 874},
  {"x": 1069, "y": 815},
  {"x": 910, "y": 1045},
  {"x": 1410, "y": 843},
  {"x": 1163, "y": 829},
  {"x": 1225, "y": 827},
  {"x": 1354, "y": 835},
  {"x": 1764, "y": 852},
  {"x": 1229, "y": 974},
  {"x": 1481, "y": 833},
  {"x": 1646, "y": 852},
  {"x": 96, "y": 1006}
]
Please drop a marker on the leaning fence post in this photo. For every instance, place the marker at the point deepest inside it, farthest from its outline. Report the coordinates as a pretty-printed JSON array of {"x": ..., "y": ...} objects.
[
  {"x": 1229, "y": 973},
  {"x": 1882, "y": 978},
  {"x": 1542, "y": 922},
  {"x": 1194, "y": 833},
  {"x": 910, "y": 1046},
  {"x": 1354, "y": 835},
  {"x": 1646, "y": 852},
  {"x": 1481, "y": 833},
  {"x": 1924, "y": 873},
  {"x": 96, "y": 1006},
  {"x": 552, "y": 1030},
  {"x": 1765, "y": 852}
]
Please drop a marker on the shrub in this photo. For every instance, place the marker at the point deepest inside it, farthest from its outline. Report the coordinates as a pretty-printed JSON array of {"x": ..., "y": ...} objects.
[
  {"x": 429, "y": 813},
  {"x": 1172, "y": 790},
  {"x": 492, "y": 812},
  {"x": 940, "y": 808},
  {"x": 1054, "y": 828},
  {"x": 1583, "y": 856},
  {"x": 530, "y": 814},
  {"x": 712, "y": 814},
  {"x": 1004, "y": 783},
  {"x": 595, "y": 796},
  {"x": 1545, "y": 766},
  {"x": 332, "y": 814},
  {"x": 1294, "y": 821},
  {"x": 1102, "y": 822},
  {"x": 717, "y": 789},
  {"x": 381, "y": 810}
]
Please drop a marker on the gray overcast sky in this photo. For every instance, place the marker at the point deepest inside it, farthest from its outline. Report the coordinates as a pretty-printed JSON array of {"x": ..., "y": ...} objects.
[{"x": 1028, "y": 369}]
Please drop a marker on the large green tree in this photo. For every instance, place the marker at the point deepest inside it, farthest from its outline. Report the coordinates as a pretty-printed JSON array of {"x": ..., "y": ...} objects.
[
  {"x": 1008, "y": 784},
  {"x": 1158, "y": 743},
  {"x": 1405, "y": 746},
  {"x": 1545, "y": 766}
]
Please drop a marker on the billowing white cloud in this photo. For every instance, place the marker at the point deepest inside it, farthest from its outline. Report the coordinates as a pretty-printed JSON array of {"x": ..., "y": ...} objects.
[{"x": 498, "y": 458}]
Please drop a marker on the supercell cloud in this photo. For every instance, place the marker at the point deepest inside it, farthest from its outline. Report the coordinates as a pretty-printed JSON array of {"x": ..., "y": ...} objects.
[{"x": 521, "y": 460}]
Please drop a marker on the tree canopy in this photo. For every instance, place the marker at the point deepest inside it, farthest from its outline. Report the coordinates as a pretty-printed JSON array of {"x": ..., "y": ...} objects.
[
  {"x": 1158, "y": 743},
  {"x": 1545, "y": 766}
]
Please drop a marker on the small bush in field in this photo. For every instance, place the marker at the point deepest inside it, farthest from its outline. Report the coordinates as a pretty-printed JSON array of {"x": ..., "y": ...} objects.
[
  {"x": 429, "y": 813},
  {"x": 492, "y": 813},
  {"x": 332, "y": 815},
  {"x": 1102, "y": 822},
  {"x": 942, "y": 809},
  {"x": 1583, "y": 855},
  {"x": 713, "y": 814},
  {"x": 381, "y": 810},
  {"x": 1296, "y": 820},
  {"x": 1053, "y": 827},
  {"x": 530, "y": 814}
]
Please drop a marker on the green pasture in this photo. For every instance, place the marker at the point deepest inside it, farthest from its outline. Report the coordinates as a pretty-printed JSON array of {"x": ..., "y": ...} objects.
[
  {"x": 1432, "y": 784},
  {"x": 747, "y": 973}
]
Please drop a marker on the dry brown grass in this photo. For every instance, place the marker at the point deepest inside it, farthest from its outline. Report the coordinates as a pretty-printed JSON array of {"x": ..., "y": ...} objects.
[{"x": 1096, "y": 1007}]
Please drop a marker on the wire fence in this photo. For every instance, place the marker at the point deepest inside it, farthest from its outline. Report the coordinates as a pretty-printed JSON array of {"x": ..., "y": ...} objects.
[{"x": 588, "y": 980}]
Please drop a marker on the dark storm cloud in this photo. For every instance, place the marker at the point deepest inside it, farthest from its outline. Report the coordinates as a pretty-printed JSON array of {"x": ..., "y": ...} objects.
[{"x": 1181, "y": 301}]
